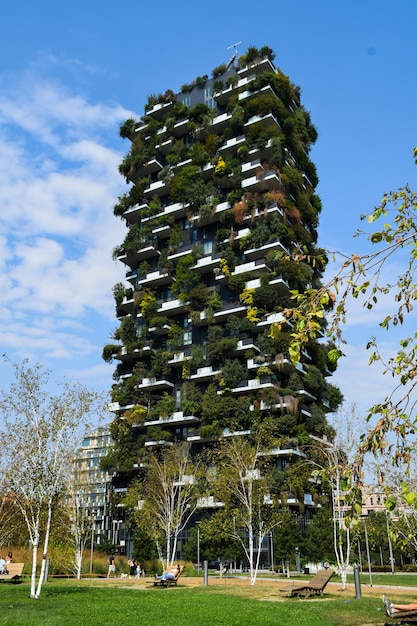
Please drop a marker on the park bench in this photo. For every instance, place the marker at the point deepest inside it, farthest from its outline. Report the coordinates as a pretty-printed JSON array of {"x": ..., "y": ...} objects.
[
  {"x": 168, "y": 582},
  {"x": 15, "y": 571},
  {"x": 405, "y": 617},
  {"x": 313, "y": 588}
]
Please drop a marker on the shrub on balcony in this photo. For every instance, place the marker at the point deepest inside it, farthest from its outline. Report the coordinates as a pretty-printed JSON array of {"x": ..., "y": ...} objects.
[
  {"x": 109, "y": 352},
  {"x": 211, "y": 431},
  {"x": 159, "y": 364},
  {"x": 164, "y": 407}
]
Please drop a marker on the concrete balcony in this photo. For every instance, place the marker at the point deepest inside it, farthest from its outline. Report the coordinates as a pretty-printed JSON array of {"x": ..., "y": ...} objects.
[
  {"x": 157, "y": 278},
  {"x": 246, "y": 344},
  {"x": 204, "y": 374},
  {"x": 158, "y": 188},
  {"x": 176, "y": 418},
  {"x": 255, "y": 268},
  {"x": 246, "y": 95},
  {"x": 133, "y": 214},
  {"x": 207, "y": 263},
  {"x": 265, "y": 120},
  {"x": 253, "y": 69},
  {"x": 179, "y": 359},
  {"x": 165, "y": 146},
  {"x": 158, "y": 110},
  {"x": 266, "y": 182},
  {"x": 172, "y": 307},
  {"x": 180, "y": 128},
  {"x": 231, "y": 145},
  {"x": 261, "y": 251},
  {"x": 153, "y": 383},
  {"x": 229, "y": 309},
  {"x": 220, "y": 122}
]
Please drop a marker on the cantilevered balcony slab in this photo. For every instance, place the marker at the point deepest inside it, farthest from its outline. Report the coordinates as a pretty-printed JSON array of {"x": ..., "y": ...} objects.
[
  {"x": 230, "y": 309},
  {"x": 247, "y": 95},
  {"x": 155, "y": 279},
  {"x": 264, "y": 120},
  {"x": 254, "y": 69},
  {"x": 220, "y": 122},
  {"x": 204, "y": 374},
  {"x": 207, "y": 263},
  {"x": 153, "y": 383},
  {"x": 254, "y": 384},
  {"x": 146, "y": 252},
  {"x": 172, "y": 307},
  {"x": 176, "y": 418},
  {"x": 231, "y": 145},
  {"x": 133, "y": 214},
  {"x": 268, "y": 182},
  {"x": 254, "y": 268},
  {"x": 179, "y": 359},
  {"x": 158, "y": 188},
  {"x": 261, "y": 251},
  {"x": 160, "y": 109}
]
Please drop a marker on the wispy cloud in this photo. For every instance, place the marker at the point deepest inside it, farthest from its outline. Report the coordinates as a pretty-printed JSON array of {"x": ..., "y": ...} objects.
[{"x": 59, "y": 180}]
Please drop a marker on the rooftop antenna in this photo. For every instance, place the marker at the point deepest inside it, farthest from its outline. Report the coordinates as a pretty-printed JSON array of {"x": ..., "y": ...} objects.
[{"x": 234, "y": 55}]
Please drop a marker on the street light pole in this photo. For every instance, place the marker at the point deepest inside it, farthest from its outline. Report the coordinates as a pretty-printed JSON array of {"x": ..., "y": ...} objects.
[
  {"x": 92, "y": 541},
  {"x": 198, "y": 549}
]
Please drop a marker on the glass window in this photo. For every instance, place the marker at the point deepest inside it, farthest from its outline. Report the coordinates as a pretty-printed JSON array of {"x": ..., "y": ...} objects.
[{"x": 188, "y": 339}]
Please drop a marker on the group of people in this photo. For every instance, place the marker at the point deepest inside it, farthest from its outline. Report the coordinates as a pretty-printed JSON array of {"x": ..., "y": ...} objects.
[
  {"x": 135, "y": 568},
  {"x": 4, "y": 563}
]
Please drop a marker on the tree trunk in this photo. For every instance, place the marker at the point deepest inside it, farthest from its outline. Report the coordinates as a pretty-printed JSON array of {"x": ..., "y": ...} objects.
[
  {"x": 33, "y": 575},
  {"x": 45, "y": 550}
]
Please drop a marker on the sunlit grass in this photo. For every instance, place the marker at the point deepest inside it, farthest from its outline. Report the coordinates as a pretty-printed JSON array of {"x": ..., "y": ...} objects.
[{"x": 219, "y": 604}]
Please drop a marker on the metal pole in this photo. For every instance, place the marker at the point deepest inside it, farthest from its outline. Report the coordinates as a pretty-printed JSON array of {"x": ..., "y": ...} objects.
[
  {"x": 198, "y": 549},
  {"x": 205, "y": 566},
  {"x": 391, "y": 555},
  {"x": 357, "y": 581},
  {"x": 272, "y": 552},
  {"x": 92, "y": 544},
  {"x": 367, "y": 554}
]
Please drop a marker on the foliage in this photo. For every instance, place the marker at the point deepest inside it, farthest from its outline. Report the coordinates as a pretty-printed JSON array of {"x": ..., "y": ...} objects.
[
  {"x": 168, "y": 498},
  {"x": 361, "y": 277},
  {"x": 43, "y": 431},
  {"x": 246, "y": 492}
]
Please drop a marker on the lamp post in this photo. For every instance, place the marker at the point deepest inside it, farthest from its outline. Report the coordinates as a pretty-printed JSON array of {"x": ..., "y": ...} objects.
[
  {"x": 198, "y": 548},
  {"x": 93, "y": 513}
]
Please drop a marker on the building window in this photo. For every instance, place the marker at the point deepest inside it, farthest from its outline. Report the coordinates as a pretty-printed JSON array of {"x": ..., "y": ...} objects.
[{"x": 188, "y": 338}]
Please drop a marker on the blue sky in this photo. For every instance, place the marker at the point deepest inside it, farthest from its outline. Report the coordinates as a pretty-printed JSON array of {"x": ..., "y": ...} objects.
[{"x": 70, "y": 73}]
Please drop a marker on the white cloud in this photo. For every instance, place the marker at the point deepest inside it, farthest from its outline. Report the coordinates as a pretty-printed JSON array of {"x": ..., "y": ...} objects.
[{"x": 59, "y": 180}]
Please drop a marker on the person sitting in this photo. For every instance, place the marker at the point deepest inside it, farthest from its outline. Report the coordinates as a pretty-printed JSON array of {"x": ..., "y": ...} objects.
[
  {"x": 391, "y": 608},
  {"x": 170, "y": 574},
  {"x": 3, "y": 566}
]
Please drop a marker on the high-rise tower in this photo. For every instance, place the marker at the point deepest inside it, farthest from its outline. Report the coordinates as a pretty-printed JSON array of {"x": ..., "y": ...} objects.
[{"x": 221, "y": 217}]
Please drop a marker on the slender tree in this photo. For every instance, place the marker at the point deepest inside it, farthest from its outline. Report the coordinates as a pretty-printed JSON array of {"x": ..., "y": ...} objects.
[
  {"x": 42, "y": 431},
  {"x": 244, "y": 486},
  {"x": 166, "y": 499}
]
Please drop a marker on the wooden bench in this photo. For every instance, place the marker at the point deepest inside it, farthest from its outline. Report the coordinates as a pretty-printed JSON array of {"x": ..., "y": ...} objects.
[
  {"x": 15, "y": 571},
  {"x": 167, "y": 582},
  {"x": 313, "y": 588}
]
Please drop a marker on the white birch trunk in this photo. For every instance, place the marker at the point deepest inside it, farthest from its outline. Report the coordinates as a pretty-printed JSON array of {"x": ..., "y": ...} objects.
[{"x": 45, "y": 550}]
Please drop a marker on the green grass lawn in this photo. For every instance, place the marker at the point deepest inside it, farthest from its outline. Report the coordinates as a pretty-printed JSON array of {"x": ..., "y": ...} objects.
[{"x": 81, "y": 603}]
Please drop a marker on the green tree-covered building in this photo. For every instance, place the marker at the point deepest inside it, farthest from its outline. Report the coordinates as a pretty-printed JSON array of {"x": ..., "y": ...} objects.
[{"x": 221, "y": 221}]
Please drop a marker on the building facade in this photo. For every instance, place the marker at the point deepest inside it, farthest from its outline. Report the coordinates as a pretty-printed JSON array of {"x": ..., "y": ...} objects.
[
  {"x": 95, "y": 483},
  {"x": 221, "y": 216}
]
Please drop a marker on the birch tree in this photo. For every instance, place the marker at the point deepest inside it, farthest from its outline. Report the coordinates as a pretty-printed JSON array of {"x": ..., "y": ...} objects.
[
  {"x": 81, "y": 522},
  {"x": 244, "y": 486},
  {"x": 42, "y": 431},
  {"x": 166, "y": 499},
  {"x": 330, "y": 464}
]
